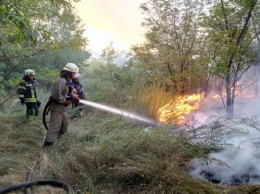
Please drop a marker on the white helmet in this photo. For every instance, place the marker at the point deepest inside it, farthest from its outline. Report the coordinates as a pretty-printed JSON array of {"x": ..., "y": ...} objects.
[
  {"x": 29, "y": 72},
  {"x": 71, "y": 67},
  {"x": 77, "y": 76}
]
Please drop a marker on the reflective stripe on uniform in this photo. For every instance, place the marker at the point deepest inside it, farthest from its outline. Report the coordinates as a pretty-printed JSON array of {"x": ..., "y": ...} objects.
[
  {"x": 30, "y": 100},
  {"x": 22, "y": 87},
  {"x": 32, "y": 92}
]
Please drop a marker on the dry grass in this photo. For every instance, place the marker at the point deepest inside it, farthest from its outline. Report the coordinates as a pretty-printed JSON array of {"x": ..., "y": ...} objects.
[
  {"x": 103, "y": 154},
  {"x": 148, "y": 99}
]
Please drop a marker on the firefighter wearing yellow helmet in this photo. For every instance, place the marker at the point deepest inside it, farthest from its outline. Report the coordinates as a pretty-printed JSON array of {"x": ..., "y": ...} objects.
[
  {"x": 27, "y": 93},
  {"x": 61, "y": 96}
]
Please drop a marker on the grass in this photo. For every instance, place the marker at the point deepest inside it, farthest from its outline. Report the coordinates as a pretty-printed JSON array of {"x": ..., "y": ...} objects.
[
  {"x": 103, "y": 153},
  {"x": 148, "y": 99}
]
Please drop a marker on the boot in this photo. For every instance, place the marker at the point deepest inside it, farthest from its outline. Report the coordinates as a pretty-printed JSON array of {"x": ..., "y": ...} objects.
[{"x": 47, "y": 144}]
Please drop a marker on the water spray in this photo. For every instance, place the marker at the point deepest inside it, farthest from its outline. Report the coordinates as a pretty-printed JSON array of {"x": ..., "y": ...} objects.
[
  {"x": 105, "y": 108},
  {"x": 119, "y": 112}
]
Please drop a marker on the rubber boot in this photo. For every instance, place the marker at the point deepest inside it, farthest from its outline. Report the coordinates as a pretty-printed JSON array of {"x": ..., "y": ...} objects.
[{"x": 47, "y": 144}]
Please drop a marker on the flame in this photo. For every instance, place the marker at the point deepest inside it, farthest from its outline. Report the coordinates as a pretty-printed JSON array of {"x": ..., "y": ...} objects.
[{"x": 176, "y": 110}]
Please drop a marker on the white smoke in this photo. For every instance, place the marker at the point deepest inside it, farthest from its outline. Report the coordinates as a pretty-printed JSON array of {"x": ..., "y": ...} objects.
[{"x": 238, "y": 162}]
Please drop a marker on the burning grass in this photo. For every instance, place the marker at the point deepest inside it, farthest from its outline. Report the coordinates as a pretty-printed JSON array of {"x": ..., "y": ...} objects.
[{"x": 176, "y": 110}]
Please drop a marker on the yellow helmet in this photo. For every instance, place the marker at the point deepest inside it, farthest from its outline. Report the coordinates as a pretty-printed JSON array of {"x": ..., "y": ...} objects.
[{"x": 29, "y": 72}]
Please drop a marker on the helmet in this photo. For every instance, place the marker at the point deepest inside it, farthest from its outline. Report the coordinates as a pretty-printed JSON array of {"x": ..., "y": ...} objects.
[
  {"x": 29, "y": 72},
  {"x": 77, "y": 76},
  {"x": 71, "y": 67}
]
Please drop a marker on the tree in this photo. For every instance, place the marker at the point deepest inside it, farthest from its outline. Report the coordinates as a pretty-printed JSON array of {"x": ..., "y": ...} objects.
[
  {"x": 18, "y": 19},
  {"x": 31, "y": 31},
  {"x": 173, "y": 52},
  {"x": 109, "y": 54},
  {"x": 68, "y": 44},
  {"x": 231, "y": 41},
  {"x": 23, "y": 27}
]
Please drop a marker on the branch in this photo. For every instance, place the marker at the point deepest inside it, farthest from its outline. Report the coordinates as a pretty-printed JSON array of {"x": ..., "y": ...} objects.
[
  {"x": 8, "y": 98},
  {"x": 225, "y": 16},
  {"x": 245, "y": 28}
]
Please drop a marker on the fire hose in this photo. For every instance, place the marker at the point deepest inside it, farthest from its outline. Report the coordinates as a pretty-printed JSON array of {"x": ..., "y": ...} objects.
[
  {"x": 26, "y": 186},
  {"x": 51, "y": 182},
  {"x": 45, "y": 113}
]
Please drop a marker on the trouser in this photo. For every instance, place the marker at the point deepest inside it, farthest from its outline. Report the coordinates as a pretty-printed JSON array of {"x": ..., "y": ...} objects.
[
  {"x": 58, "y": 126},
  {"x": 77, "y": 112},
  {"x": 32, "y": 108}
]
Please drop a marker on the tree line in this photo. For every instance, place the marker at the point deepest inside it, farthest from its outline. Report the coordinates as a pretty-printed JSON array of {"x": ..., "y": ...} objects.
[
  {"x": 191, "y": 47},
  {"x": 200, "y": 45}
]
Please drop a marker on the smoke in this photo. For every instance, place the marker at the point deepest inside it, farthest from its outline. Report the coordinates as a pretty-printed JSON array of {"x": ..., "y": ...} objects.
[
  {"x": 237, "y": 165},
  {"x": 239, "y": 139},
  {"x": 229, "y": 167}
]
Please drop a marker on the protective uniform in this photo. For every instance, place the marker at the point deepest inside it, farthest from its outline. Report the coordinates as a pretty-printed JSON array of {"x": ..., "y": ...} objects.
[
  {"x": 79, "y": 90},
  {"x": 78, "y": 86},
  {"x": 60, "y": 94},
  {"x": 27, "y": 94},
  {"x": 59, "y": 119}
]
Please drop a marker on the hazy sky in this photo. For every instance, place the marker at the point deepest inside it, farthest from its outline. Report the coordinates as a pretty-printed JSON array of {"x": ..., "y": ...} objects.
[{"x": 117, "y": 21}]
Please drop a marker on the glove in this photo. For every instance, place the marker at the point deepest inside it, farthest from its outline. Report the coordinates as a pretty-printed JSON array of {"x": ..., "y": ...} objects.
[
  {"x": 38, "y": 103},
  {"x": 22, "y": 102},
  {"x": 75, "y": 98},
  {"x": 68, "y": 102}
]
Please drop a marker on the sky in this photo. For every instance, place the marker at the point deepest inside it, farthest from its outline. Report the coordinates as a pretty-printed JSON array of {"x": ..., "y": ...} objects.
[{"x": 117, "y": 21}]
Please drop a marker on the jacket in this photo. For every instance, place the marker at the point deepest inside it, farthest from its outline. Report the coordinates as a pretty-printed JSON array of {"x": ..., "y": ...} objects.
[
  {"x": 27, "y": 90},
  {"x": 79, "y": 89},
  {"x": 59, "y": 93}
]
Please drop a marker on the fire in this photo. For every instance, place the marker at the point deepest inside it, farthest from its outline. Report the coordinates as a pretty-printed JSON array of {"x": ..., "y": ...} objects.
[{"x": 176, "y": 110}]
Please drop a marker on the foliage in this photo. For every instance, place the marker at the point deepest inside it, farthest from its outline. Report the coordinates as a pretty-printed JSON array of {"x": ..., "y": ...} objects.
[
  {"x": 231, "y": 35},
  {"x": 193, "y": 44},
  {"x": 17, "y": 18},
  {"x": 108, "y": 54},
  {"x": 174, "y": 51},
  {"x": 46, "y": 77},
  {"x": 37, "y": 34}
]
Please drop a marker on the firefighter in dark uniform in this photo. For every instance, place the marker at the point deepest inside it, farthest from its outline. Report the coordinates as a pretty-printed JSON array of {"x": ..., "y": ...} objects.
[
  {"x": 61, "y": 96},
  {"x": 80, "y": 92},
  {"x": 27, "y": 93}
]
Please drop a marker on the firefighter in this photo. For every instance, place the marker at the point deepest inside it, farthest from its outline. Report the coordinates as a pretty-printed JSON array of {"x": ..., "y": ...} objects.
[
  {"x": 79, "y": 90},
  {"x": 27, "y": 93},
  {"x": 61, "y": 96}
]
